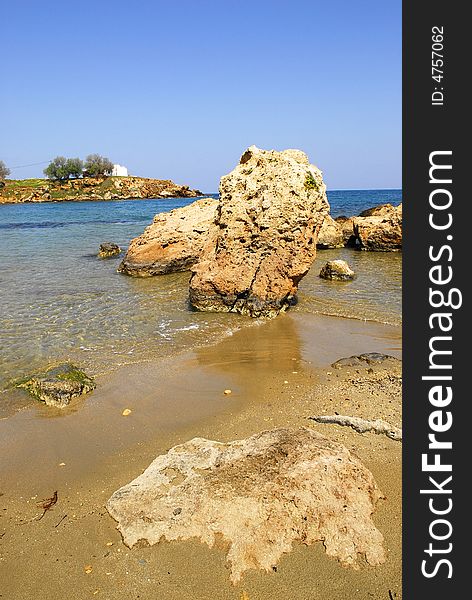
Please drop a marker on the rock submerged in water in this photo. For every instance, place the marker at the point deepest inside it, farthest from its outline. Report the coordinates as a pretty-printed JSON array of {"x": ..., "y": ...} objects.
[
  {"x": 271, "y": 208},
  {"x": 57, "y": 385},
  {"x": 337, "y": 270},
  {"x": 260, "y": 494},
  {"x": 173, "y": 242},
  {"x": 108, "y": 250}
]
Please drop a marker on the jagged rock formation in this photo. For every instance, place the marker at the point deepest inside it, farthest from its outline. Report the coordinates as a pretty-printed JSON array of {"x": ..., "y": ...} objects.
[
  {"x": 173, "y": 242},
  {"x": 271, "y": 208},
  {"x": 260, "y": 494}
]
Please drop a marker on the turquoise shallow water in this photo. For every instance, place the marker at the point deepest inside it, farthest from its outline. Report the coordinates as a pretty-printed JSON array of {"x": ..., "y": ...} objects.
[{"x": 59, "y": 301}]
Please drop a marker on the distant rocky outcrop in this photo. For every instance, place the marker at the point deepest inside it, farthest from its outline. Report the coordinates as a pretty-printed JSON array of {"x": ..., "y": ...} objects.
[
  {"x": 173, "y": 242},
  {"x": 57, "y": 385},
  {"x": 92, "y": 188},
  {"x": 271, "y": 208},
  {"x": 259, "y": 495},
  {"x": 379, "y": 228}
]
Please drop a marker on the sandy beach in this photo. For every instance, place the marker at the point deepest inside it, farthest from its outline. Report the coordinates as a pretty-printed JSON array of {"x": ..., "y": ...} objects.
[{"x": 279, "y": 374}]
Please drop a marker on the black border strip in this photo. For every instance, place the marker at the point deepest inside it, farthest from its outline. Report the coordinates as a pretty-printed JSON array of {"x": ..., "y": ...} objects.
[{"x": 429, "y": 128}]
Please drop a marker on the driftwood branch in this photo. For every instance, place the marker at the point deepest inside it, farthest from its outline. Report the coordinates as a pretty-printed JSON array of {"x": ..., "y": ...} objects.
[{"x": 362, "y": 425}]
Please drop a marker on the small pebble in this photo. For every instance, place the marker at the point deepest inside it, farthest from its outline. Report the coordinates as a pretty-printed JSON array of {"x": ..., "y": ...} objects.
[
  {"x": 88, "y": 568},
  {"x": 126, "y": 412},
  {"x": 228, "y": 392}
]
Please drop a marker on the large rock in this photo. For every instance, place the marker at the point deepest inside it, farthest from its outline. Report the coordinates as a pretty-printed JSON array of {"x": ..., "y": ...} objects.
[
  {"x": 260, "y": 494},
  {"x": 173, "y": 242},
  {"x": 57, "y": 385},
  {"x": 379, "y": 228},
  {"x": 271, "y": 208},
  {"x": 330, "y": 235}
]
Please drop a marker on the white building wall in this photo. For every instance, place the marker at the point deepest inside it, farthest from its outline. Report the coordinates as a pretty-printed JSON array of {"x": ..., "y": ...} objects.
[{"x": 119, "y": 171}]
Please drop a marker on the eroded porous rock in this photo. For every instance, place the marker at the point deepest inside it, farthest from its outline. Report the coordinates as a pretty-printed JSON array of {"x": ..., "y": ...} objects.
[
  {"x": 57, "y": 385},
  {"x": 337, "y": 270},
  {"x": 330, "y": 234},
  {"x": 108, "y": 250},
  {"x": 260, "y": 494},
  {"x": 173, "y": 242},
  {"x": 271, "y": 208},
  {"x": 379, "y": 228}
]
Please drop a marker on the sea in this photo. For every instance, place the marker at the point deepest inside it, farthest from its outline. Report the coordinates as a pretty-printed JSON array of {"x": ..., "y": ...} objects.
[{"x": 58, "y": 301}]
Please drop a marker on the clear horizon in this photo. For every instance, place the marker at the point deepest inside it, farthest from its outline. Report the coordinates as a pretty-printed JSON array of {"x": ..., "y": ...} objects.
[{"x": 178, "y": 91}]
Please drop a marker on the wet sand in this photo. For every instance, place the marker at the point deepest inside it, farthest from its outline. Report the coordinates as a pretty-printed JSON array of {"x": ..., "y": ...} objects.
[{"x": 172, "y": 401}]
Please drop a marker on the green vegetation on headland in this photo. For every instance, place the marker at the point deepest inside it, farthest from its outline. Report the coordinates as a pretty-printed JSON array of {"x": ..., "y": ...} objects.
[
  {"x": 90, "y": 188},
  {"x": 62, "y": 168}
]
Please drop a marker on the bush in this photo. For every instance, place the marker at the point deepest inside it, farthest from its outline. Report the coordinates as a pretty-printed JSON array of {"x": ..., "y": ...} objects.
[
  {"x": 4, "y": 170},
  {"x": 63, "y": 168}
]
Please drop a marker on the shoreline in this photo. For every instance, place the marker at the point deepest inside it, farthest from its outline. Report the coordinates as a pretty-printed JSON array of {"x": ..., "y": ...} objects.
[{"x": 171, "y": 401}]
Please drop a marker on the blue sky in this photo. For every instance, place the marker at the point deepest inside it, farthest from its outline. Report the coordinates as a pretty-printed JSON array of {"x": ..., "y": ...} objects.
[{"x": 178, "y": 89}]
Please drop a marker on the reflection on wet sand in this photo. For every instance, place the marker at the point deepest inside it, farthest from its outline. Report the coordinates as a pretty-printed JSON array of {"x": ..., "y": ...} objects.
[
  {"x": 292, "y": 343},
  {"x": 275, "y": 345}
]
